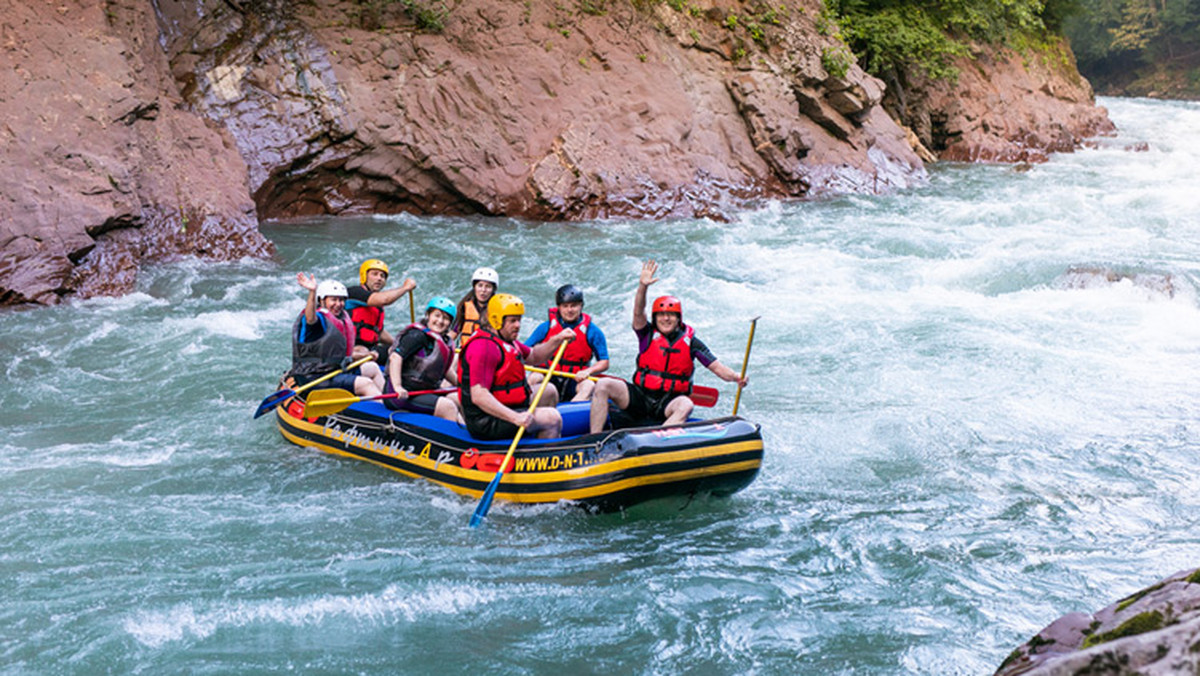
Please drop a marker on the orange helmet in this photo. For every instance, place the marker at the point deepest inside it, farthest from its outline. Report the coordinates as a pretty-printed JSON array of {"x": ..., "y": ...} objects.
[{"x": 667, "y": 304}]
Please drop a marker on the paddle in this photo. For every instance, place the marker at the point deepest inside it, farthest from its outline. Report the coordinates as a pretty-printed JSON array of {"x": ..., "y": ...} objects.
[
  {"x": 329, "y": 401},
  {"x": 412, "y": 308},
  {"x": 485, "y": 502},
  {"x": 745, "y": 362},
  {"x": 701, "y": 395},
  {"x": 286, "y": 393}
]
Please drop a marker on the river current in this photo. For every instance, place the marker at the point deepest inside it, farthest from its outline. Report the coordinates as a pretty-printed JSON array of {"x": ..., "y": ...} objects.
[{"x": 978, "y": 400}]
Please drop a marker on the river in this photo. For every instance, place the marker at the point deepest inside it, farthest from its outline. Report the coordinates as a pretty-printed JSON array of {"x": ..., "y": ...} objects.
[{"x": 978, "y": 400}]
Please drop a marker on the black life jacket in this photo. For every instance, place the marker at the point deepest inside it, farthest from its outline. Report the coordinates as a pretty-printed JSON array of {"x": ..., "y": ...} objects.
[
  {"x": 425, "y": 369},
  {"x": 324, "y": 354}
]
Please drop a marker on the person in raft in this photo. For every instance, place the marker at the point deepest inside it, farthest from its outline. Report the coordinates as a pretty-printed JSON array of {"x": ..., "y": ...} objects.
[
  {"x": 471, "y": 312},
  {"x": 491, "y": 376},
  {"x": 323, "y": 341},
  {"x": 365, "y": 304},
  {"x": 663, "y": 380},
  {"x": 568, "y": 315},
  {"x": 420, "y": 359}
]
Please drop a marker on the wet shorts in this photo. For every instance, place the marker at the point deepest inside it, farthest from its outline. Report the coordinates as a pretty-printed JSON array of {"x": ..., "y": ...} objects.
[
  {"x": 422, "y": 403},
  {"x": 344, "y": 381},
  {"x": 648, "y": 405},
  {"x": 566, "y": 388},
  {"x": 489, "y": 428}
]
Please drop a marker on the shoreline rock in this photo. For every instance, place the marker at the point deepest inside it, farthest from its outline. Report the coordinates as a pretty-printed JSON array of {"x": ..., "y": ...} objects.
[
  {"x": 143, "y": 131},
  {"x": 1153, "y": 631},
  {"x": 101, "y": 167}
]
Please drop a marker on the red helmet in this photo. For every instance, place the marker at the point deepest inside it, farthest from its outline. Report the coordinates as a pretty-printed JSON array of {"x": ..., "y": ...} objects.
[{"x": 667, "y": 304}]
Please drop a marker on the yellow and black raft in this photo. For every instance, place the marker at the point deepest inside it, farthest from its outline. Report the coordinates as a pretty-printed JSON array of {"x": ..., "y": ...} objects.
[{"x": 603, "y": 472}]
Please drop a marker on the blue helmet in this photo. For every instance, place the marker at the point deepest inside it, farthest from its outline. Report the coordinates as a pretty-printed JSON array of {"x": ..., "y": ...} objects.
[{"x": 441, "y": 303}]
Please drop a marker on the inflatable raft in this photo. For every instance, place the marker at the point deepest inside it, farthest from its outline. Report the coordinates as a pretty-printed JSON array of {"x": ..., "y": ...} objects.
[{"x": 603, "y": 472}]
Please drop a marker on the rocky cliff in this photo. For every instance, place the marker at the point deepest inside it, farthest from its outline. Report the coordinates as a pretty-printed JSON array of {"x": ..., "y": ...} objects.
[
  {"x": 140, "y": 130},
  {"x": 1154, "y": 631},
  {"x": 102, "y": 164}
]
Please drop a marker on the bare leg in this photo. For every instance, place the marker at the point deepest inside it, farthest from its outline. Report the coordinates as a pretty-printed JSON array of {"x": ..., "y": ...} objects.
[
  {"x": 678, "y": 410},
  {"x": 446, "y": 409},
  {"x": 547, "y": 423},
  {"x": 549, "y": 397},
  {"x": 365, "y": 387},
  {"x": 609, "y": 388},
  {"x": 583, "y": 391},
  {"x": 371, "y": 370}
]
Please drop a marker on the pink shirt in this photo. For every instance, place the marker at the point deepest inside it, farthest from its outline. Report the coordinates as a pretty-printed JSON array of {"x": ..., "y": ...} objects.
[{"x": 483, "y": 358}]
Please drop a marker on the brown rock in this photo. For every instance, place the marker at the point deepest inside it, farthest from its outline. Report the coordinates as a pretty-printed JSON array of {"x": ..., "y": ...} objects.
[
  {"x": 535, "y": 110},
  {"x": 98, "y": 161},
  {"x": 139, "y": 131},
  {"x": 1013, "y": 109}
]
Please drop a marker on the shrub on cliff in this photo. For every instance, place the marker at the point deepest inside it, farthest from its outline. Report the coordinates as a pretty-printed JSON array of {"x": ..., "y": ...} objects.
[{"x": 904, "y": 35}]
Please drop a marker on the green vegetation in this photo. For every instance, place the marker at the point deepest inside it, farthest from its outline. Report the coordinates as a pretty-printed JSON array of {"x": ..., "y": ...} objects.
[
  {"x": 429, "y": 15},
  {"x": 1138, "y": 624},
  {"x": 836, "y": 60},
  {"x": 593, "y": 7},
  {"x": 1118, "y": 42},
  {"x": 901, "y": 35}
]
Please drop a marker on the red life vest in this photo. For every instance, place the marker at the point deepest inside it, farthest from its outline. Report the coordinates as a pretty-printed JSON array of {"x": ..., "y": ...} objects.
[
  {"x": 666, "y": 366},
  {"x": 578, "y": 354},
  {"x": 368, "y": 322},
  {"x": 508, "y": 385},
  {"x": 344, "y": 326}
]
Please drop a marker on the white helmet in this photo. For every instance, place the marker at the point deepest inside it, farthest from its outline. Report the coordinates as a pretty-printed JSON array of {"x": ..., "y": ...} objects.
[
  {"x": 330, "y": 287},
  {"x": 486, "y": 275}
]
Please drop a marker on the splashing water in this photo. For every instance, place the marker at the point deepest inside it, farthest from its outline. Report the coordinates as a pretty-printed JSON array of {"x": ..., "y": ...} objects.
[{"x": 977, "y": 399}]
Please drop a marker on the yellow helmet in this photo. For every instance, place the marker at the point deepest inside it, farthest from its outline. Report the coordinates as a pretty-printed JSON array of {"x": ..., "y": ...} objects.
[
  {"x": 503, "y": 305},
  {"x": 373, "y": 264}
]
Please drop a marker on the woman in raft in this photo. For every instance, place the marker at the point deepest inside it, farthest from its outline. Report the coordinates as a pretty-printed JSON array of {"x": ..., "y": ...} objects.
[{"x": 420, "y": 359}]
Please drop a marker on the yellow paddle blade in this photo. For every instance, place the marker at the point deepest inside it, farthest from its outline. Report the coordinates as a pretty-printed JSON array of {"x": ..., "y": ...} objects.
[{"x": 320, "y": 403}]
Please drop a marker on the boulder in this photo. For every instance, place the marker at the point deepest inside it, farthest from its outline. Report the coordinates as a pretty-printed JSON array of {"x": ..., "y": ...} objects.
[{"x": 1155, "y": 631}]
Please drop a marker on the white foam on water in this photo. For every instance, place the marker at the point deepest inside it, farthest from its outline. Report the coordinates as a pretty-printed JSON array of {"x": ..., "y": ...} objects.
[
  {"x": 188, "y": 621},
  {"x": 239, "y": 324},
  {"x": 115, "y": 452}
]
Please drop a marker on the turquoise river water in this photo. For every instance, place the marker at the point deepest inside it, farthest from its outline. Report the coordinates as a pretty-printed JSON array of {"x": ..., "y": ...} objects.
[{"x": 971, "y": 428}]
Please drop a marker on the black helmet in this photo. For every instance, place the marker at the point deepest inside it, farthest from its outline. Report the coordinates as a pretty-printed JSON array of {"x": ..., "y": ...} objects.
[{"x": 568, "y": 293}]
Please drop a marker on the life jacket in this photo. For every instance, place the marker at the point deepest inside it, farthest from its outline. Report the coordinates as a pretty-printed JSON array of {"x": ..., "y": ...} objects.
[
  {"x": 666, "y": 366},
  {"x": 471, "y": 322},
  {"x": 578, "y": 354},
  {"x": 425, "y": 369},
  {"x": 508, "y": 385},
  {"x": 324, "y": 354},
  {"x": 368, "y": 322}
]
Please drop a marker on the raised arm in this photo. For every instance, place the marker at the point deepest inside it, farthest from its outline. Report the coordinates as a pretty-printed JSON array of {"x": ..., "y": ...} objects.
[
  {"x": 310, "y": 306},
  {"x": 649, "y": 268}
]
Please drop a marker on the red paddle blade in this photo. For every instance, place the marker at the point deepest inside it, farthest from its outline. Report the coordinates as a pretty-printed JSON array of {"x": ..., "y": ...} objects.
[{"x": 705, "y": 396}]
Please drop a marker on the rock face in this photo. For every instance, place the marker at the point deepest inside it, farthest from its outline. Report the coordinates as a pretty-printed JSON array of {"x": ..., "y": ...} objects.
[
  {"x": 99, "y": 168},
  {"x": 1155, "y": 631},
  {"x": 538, "y": 109},
  {"x": 1004, "y": 107},
  {"x": 140, "y": 130}
]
